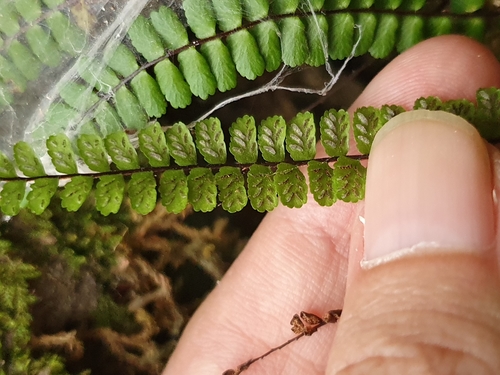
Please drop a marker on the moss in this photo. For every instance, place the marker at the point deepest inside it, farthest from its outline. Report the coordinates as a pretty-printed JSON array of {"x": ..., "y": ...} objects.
[
  {"x": 115, "y": 316},
  {"x": 15, "y": 319},
  {"x": 83, "y": 293}
]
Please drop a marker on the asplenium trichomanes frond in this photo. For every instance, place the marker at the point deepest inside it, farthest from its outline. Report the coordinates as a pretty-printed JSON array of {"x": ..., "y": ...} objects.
[{"x": 201, "y": 47}]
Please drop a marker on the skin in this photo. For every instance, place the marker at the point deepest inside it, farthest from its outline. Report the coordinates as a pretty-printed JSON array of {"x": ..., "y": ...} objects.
[{"x": 299, "y": 260}]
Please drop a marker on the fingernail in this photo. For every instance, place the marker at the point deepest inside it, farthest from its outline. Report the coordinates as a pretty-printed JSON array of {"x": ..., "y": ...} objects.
[{"x": 429, "y": 185}]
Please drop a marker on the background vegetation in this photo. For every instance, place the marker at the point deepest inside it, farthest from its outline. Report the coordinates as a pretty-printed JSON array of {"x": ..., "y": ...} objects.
[{"x": 82, "y": 293}]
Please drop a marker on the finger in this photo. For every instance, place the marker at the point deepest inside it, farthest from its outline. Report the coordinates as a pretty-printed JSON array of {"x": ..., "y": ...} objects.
[
  {"x": 437, "y": 67},
  {"x": 297, "y": 259},
  {"x": 428, "y": 296}
]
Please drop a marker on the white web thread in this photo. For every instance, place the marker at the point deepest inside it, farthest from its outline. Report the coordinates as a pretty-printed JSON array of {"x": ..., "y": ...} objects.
[
  {"x": 105, "y": 44},
  {"x": 285, "y": 71}
]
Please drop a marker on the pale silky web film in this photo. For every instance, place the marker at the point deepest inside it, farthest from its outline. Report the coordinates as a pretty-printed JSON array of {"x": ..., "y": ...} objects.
[{"x": 46, "y": 48}]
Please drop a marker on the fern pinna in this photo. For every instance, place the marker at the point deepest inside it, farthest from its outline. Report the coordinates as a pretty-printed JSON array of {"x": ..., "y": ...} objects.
[
  {"x": 265, "y": 168},
  {"x": 170, "y": 55}
]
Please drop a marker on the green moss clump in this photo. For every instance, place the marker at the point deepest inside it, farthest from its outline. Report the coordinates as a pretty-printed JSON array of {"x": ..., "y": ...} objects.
[{"x": 15, "y": 319}]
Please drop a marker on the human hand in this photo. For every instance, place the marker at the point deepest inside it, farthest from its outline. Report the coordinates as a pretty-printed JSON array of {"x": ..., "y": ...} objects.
[{"x": 437, "y": 311}]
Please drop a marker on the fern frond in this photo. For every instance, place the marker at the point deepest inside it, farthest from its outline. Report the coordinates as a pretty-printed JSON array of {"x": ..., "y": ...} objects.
[
  {"x": 169, "y": 56},
  {"x": 265, "y": 169}
]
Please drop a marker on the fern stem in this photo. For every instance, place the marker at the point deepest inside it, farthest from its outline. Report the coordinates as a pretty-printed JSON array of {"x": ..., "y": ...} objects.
[{"x": 186, "y": 169}]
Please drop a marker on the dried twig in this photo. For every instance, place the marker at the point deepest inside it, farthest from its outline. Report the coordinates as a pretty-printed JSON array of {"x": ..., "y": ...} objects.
[
  {"x": 138, "y": 351},
  {"x": 304, "y": 324},
  {"x": 63, "y": 341}
]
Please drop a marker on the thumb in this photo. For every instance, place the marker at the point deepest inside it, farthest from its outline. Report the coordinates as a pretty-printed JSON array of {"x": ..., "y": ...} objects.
[{"x": 426, "y": 297}]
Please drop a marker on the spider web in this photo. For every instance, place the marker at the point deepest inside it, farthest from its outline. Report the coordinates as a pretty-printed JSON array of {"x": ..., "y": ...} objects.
[{"x": 107, "y": 25}]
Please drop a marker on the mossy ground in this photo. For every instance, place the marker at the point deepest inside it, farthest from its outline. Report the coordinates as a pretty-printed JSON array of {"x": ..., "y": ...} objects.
[{"x": 111, "y": 295}]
